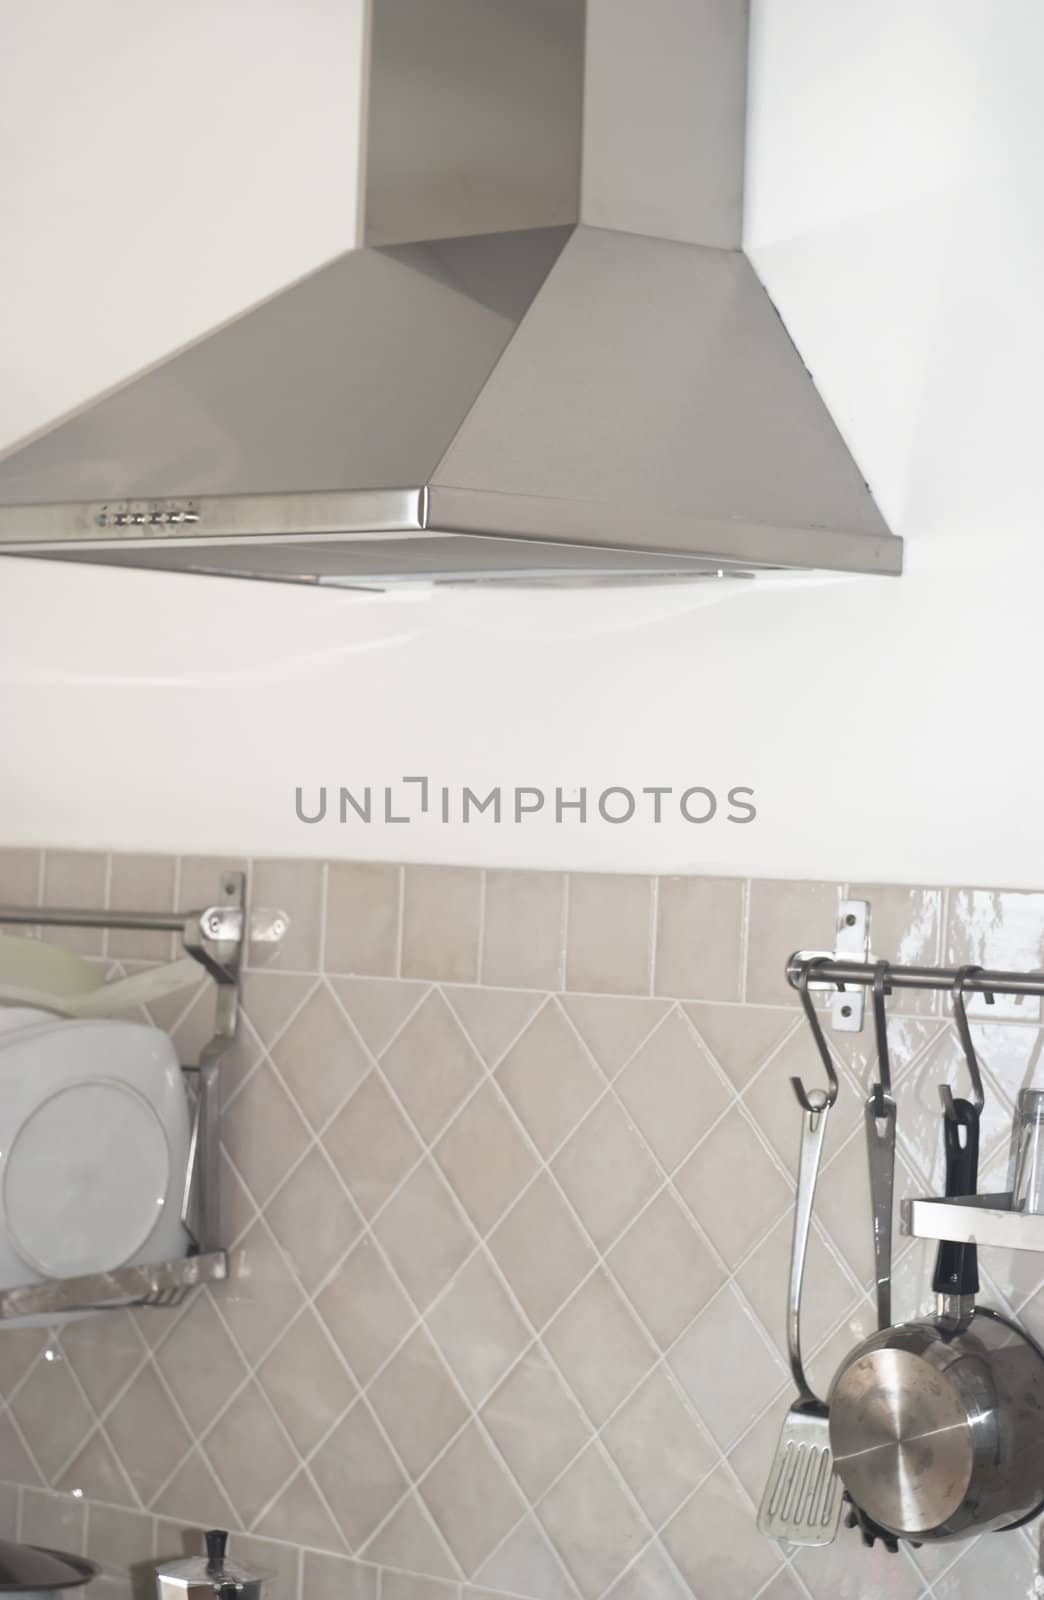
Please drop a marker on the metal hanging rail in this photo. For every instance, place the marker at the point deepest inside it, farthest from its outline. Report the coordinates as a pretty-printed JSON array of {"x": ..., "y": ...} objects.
[
  {"x": 827, "y": 972},
  {"x": 981, "y": 1219},
  {"x": 78, "y": 917}
]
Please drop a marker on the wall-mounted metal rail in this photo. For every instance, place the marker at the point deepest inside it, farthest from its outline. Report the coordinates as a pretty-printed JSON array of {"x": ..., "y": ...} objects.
[
  {"x": 826, "y": 971},
  {"x": 982, "y": 1219},
  {"x": 78, "y": 917}
]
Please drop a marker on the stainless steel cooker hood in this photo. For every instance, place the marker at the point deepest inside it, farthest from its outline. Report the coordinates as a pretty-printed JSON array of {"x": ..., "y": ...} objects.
[{"x": 549, "y": 360}]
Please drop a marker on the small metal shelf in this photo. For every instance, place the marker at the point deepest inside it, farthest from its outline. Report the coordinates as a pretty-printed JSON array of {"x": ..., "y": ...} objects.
[
  {"x": 152, "y": 1283},
  {"x": 981, "y": 1219},
  {"x": 216, "y": 937}
]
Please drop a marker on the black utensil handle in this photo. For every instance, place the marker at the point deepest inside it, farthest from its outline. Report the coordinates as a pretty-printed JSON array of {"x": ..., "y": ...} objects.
[{"x": 957, "y": 1265}]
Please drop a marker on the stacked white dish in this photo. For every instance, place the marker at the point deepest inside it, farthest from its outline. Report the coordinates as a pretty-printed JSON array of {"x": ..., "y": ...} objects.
[{"x": 94, "y": 1143}]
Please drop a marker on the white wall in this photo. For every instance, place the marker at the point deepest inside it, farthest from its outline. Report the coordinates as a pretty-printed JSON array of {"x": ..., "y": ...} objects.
[
  {"x": 890, "y": 729},
  {"x": 161, "y": 167}
]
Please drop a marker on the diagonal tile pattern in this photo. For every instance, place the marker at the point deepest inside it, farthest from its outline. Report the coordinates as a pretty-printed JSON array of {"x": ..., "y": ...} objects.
[
  {"x": 431, "y": 1066},
  {"x": 673, "y": 1090},
  {"x": 306, "y": 1409},
  {"x": 320, "y": 1057},
  {"x": 472, "y": 1497},
  {"x": 358, "y": 1474},
  {"x": 506, "y": 1297},
  {"x": 417, "y": 1402},
  {"x": 549, "y": 1078},
  {"x": 486, "y": 1157}
]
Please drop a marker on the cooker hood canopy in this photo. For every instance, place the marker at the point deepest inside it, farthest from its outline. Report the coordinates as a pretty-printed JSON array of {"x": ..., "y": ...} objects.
[{"x": 549, "y": 359}]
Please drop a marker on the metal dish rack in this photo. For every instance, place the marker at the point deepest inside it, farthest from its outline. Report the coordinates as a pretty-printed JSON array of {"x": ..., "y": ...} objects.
[
  {"x": 215, "y": 937},
  {"x": 982, "y": 1219}
]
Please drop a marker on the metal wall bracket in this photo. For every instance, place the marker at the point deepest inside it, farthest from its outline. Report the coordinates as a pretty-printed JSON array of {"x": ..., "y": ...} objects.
[
  {"x": 852, "y": 938},
  {"x": 851, "y": 942},
  {"x": 216, "y": 938}
]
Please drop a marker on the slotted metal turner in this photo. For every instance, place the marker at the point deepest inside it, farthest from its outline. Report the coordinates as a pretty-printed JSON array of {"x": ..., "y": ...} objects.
[{"x": 802, "y": 1499}]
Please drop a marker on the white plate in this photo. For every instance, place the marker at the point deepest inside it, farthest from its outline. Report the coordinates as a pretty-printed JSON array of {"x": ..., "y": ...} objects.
[
  {"x": 74, "y": 1204},
  {"x": 94, "y": 1139},
  {"x": 14, "y": 1017}
]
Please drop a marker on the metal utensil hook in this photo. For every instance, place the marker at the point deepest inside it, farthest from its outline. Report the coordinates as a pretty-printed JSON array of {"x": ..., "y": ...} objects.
[
  {"x": 830, "y": 1092},
  {"x": 960, "y": 1016},
  {"x": 882, "y": 1089}
]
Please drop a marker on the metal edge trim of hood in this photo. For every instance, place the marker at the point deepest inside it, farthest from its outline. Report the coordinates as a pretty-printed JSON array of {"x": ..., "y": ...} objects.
[
  {"x": 665, "y": 531},
  {"x": 134, "y": 523},
  {"x": 437, "y": 511}
]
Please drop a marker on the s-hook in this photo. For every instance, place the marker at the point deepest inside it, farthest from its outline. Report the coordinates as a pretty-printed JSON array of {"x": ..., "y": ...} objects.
[
  {"x": 882, "y": 1089},
  {"x": 978, "y": 1098},
  {"x": 821, "y": 1044},
  {"x": 879, "y": 1116}
]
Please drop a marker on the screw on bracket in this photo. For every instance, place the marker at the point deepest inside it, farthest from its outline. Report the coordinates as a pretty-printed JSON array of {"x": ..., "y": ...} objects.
[{"x": 852, "y": 939}]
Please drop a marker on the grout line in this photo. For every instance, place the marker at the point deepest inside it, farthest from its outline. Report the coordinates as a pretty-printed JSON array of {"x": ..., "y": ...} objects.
[
  {"x": 426, "y": 987},
  {"x": 764, "y": 1587},
  {"x": 945, "y": 912},
  {"x": 600, "y": 1260},
  {"x": 469, "y": 1407},
  {"x": 480, "y": 938},
  {"x": 324, "y": 898},
  {"x": 654, "y": 922},
  {"x": 20, "y": 1434},
  {"x": 400, "y": 927},
  {"x": 795, "y": 1575},
  {"x": 43, "y": 884},
  {"x": 250, "y": 1378},
  {"x": 305, "y": 1458},
  {"x": 481, "y": 1248},
  {"x": 715, "y": 1448},
  {"x": 567, "y": 915},
  {"x": 173, "y": 944},
  {"x": 107, "y": 901},
  {"x": 563, "y": 924},
  {"x": 404, "y": 1180}
]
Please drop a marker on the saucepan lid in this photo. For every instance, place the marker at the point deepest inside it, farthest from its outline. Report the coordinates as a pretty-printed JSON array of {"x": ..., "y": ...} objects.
[{"x": 30, "y": 1566}]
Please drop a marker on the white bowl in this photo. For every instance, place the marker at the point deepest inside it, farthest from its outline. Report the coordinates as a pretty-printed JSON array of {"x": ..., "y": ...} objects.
[{"x": 94, "y": 1141}]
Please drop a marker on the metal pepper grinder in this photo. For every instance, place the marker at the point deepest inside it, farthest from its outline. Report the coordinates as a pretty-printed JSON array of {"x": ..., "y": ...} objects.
[{"x": 209, "y": 1576}]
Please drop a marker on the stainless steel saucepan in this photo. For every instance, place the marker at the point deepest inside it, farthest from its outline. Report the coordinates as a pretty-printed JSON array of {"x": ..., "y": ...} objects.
[{"x": 937, "y": 1426}]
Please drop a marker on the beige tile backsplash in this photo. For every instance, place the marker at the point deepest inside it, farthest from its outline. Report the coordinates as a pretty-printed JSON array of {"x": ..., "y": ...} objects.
[
  {"x": 699, "y": 943},
  {"x": 507, "y": 1176},
  {"x": 524, "y": 931},
  {"x": 441, "y": 920},
  {"x": 609, "y": 938},
  {"x": 72, "y": 879},
  {"x": 362, "y": 918}
]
